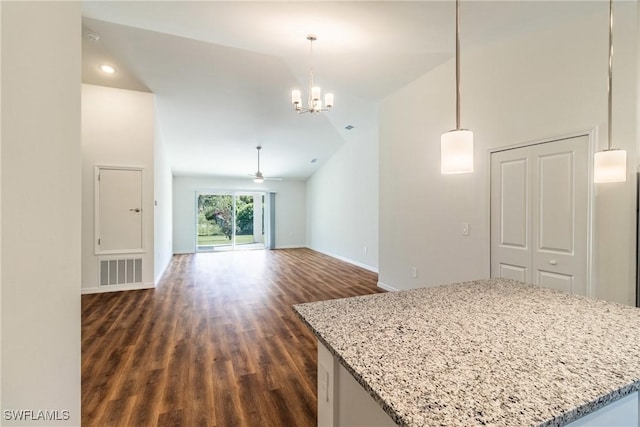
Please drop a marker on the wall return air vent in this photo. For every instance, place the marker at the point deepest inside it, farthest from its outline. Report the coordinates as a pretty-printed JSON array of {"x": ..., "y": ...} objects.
[{"x": 120, "y": 271}]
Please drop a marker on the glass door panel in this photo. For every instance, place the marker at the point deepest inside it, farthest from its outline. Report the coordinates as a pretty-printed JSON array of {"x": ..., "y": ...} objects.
[
  {"x": 230, "y": 221},
  {"x": 215, "y": 222},
  {"x": 244, "y": 220}
]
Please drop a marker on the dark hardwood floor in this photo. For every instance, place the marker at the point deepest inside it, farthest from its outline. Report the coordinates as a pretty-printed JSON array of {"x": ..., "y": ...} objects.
[{"x": 215, "y": 344}]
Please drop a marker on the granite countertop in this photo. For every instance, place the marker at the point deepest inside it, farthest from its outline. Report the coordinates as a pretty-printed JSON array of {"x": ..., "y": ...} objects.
[{"x": 489, "y": 352}]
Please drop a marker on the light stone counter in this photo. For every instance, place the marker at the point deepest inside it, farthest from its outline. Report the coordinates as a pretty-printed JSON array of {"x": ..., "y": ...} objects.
[{"x": 491, "y": 352}]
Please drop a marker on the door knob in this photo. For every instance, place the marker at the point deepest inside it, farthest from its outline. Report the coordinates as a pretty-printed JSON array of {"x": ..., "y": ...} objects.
[
  {"x": 135, "y": 210},
  {"x": 553, "y": 262}
]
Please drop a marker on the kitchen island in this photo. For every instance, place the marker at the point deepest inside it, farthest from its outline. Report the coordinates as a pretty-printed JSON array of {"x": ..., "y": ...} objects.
[{"x": 489, "y": 352}]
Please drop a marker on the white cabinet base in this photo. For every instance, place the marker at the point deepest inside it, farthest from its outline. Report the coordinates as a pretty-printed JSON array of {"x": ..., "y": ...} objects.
[{"x": 342, "y": 402}]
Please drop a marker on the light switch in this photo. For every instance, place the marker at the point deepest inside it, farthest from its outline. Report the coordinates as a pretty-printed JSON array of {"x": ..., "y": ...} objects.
[{"x": 465, "y": 228}]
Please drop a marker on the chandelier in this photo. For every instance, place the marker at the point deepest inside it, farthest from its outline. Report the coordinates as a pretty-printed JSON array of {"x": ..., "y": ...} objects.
[{"x": 314, "y": 102}]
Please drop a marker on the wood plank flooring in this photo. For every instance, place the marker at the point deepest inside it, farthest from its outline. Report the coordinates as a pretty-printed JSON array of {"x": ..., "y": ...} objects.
[{"x": 215, "y": 344}]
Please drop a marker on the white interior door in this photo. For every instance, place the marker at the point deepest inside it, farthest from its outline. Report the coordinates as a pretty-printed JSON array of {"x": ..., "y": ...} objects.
[
  {"x": 539, "y": 212},
  {"x": 511, "y": 215},
  {"x": 119, "y": 210}
]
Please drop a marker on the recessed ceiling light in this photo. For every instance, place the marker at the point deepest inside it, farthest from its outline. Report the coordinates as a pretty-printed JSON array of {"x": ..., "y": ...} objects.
[
  {"x": 348, "y": 127},
  {"x": 107, "y": 69},
  {"x": 314, "y": 160}
]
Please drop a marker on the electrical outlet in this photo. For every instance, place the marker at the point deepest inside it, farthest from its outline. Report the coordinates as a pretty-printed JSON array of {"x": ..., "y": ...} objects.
[
  {"x": 366, "y": 249},
  {"x": 414, "y": 272}
]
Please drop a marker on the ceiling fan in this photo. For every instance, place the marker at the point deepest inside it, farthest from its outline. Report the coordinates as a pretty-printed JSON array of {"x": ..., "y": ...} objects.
[{"x": 258, "y": 177}]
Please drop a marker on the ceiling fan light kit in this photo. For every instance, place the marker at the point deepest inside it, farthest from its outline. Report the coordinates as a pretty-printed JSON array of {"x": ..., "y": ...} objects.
[
  {"x": 610, "y": 165},
  {"x": 314, "y": 101},
  {"x": 456, "y": 146}
]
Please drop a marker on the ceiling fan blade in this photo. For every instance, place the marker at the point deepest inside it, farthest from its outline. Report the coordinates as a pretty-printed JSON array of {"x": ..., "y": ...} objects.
[{"x": 272, "y": 178}]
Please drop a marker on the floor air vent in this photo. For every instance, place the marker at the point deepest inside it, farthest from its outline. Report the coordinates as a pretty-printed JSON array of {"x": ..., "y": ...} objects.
[{"x": 120, "y": 271}]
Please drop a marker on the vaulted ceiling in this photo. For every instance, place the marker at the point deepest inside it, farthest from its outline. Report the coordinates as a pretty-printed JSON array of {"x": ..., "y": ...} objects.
[{"x": 222, "y": 72}]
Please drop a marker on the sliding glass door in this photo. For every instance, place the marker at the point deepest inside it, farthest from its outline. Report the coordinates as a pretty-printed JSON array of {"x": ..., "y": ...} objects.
[{"x": 230, "y": 221}]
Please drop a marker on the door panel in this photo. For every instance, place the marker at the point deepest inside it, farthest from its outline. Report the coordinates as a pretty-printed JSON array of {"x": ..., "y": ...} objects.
[
  {"x": 556, "y": 203},
  {"x": 559, "y": 282},
  {"x": 560, "y": 230},
  {"x": 513, "y": 272},
  {"x": 119, "y": 210},
  {"x": 510, "y": 216},
  {"x": 539, "y": 211},
  {"x": 513, "y": 208}
]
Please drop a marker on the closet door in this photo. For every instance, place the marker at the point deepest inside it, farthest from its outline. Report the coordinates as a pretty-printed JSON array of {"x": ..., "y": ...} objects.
[
  {"x": 118, "y": 205},
  {"x": 511, "y": 214},
  {"x": 560, "y": 212},
  {"x": 539, "y": 212}
]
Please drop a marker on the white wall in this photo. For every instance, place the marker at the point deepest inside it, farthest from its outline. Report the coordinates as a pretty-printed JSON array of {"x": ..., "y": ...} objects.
[
  {"x": 342, "y": 203},
  {"x": 534, "y": 87},
  {"x": 163, "y": 209},
  {"x": 41, "y": 209},
  {"x": 117, "y": 130},
  {"x": 290, "y": 208}
]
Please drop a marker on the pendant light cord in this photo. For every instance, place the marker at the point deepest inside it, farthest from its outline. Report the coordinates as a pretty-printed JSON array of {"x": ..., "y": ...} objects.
[
  {"x": 610, "y": 85},
  {"x": 457, "y": 64}
]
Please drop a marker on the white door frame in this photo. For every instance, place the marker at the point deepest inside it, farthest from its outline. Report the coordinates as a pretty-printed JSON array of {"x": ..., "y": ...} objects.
[{"x": 592, "y": 136}]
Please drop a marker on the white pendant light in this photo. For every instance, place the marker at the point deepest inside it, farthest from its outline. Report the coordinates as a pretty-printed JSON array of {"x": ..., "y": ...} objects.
[
  {"x": 456, "y": 146},
  {"x": 610, "y": 165},
  {"x": 314, "y": 102}
]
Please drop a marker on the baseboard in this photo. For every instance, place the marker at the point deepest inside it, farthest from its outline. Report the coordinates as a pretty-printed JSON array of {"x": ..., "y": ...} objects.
[
  {"x": 289, "y": 247},
  {"x": 349, "y": 260},
  {"x": 117, "y": 288},
  {"x": 387, "y": 287},
  {"x": 183, "y": 252}
]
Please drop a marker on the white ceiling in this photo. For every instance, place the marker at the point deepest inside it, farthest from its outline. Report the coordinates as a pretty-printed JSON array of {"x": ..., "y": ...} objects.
[{"x": 222, "y": 72}]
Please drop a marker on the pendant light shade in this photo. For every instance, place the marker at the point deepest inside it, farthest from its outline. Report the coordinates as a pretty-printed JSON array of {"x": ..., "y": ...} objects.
[
  {"x": 610, "y": 166},
  {"x": 456, "y": 150},
  {"x": 456, "y": 146}
]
